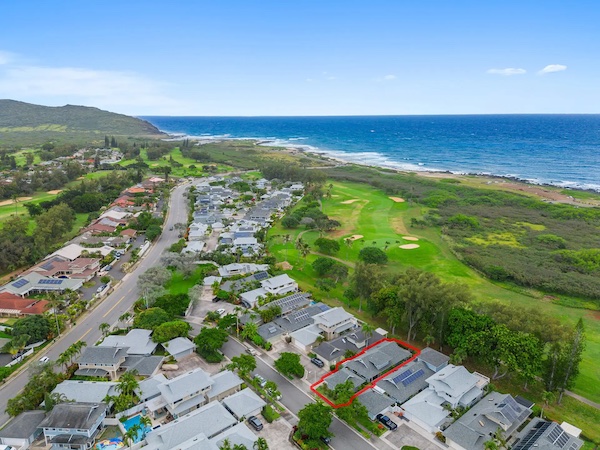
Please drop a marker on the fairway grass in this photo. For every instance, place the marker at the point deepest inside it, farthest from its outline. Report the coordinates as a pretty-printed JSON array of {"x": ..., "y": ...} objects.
[{"x": 383, "y": 223}]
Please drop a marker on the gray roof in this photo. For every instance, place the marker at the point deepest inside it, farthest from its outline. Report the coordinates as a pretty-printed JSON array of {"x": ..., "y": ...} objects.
[
  {"x": 184, "y": 385},
  {"x": 209, "y": 420},
  {"x": 338, "y": 346},
  {"x": 144, "y": 365},
  {"x": 407, "y": 381},
  {"x": 243, "y": 402},
  {"x": 81, "y": 416},
  {"x": 179, "y": 345},
  {"x": 148, "y": 388},
  {"x": 102, "y": 355},
  {"x": 298, "y": 319},
  {"x": 91, "y": 373},
  {"x": 270, "y": 330},
  {"x": 543, "y": 435},
  {"x": 236, "y": 285},
  {"x": 278, "y": 281},
  {"x": 453, "y": 381},
  {"x": 375, "y": 402},
  {"x": 378, "y": 359},
  {"x": 494, "y": 411},
  {"x": 85, "y": 391},
  {"x": 137, "y": 341},
  {"x": 237, "y": 435},
  {"x": 341, "y": 376},
  {"x": 333, "y": 317},
  {"x": 224, "y": 381},
  {"x": 290, "y": 303},
  {"x": 35, "y": 282},
  {"x": 433, "y": 357},
  {"x": 23, "y": 426}
]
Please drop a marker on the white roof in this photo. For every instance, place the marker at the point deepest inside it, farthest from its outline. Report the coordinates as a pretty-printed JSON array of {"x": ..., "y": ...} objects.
[
  {"x": 85, "y": 391},
  {"x": 208, "y": 281},
  {"x": 223, "y": 381},
  {"x": 333, "y": 316},
  {"x": 245, "y": 241},
  {"x": 244, "y": 403},
  {"x": 453, "y": 381},
  {"x": 252, "y": 296},
  {"x": 279, "y": 280},
  {"x": 178, "y": 345},
  {"x": 184, "y": 385},
  {"x": 571, "y": 429},
  {"x": 137, "y": 340},
  {"x": 307, "y": 335},
  {"x": 427, "y": 407},
  {"x": 194, "y": 247},
  {"x": 70, "y": 252},
  {"x": 118, "y": 215}
]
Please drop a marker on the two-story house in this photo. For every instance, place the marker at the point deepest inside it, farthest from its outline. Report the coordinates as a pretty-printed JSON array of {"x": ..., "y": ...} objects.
[
  {"x": 335, "y": 321},
  {"x": 186, "y": 392},
  {"x": 101, "y": 361},
  {"x": 73, "y": 426}
]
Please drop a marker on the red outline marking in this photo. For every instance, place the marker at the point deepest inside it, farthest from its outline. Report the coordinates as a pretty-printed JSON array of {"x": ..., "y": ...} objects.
[{"x": 374, "y": 382}]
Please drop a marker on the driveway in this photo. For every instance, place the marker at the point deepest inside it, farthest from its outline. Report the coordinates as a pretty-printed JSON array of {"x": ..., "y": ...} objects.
[{"x": 405, "y": 435}]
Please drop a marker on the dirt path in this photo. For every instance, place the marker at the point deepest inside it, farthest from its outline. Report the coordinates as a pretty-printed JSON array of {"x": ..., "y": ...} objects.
[{"x": 583, "y": 399}]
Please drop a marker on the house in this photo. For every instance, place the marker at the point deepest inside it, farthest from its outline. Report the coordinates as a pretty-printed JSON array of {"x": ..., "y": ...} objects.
[
  {"x": 495, "y": 411},
  {"x": 248, "y": 245},
  {"x": 22, "y": 430},
  {"x": 185, "y": 392},
  {"x": 137, "y": 342},
  {"x": 281, "y": 284},
  {"x": 73, "y": 426},
  {"x": 449, "y": 388},
  {"x": 101, "y": 361},
  {"x": 244, "y": 403},
  {"x": 239, "y": 435},
  {"x": 58, "y": 267},
  {"x": 375, "y": 401},
  {"x": 341, "y": 376},
  {"x": 406, "y": 382},
  {"x": 377, "y": 360},
  {"x": 290, "y": 303},
  {"x": 129, "y": 233},
  {"x": 331, "y": 352},
  {"x": 305, "y": 338},
  {"x": 117, "y": 216},
  {"x": 250, "y": 299},
  {"x": 179, "y": 347},
  {"x": 233, "y": 269},
  {"x": 434, "y": 360},
  {"x": 85, "y": 391},
  {"x": 35, "y": 283},
  {"x": 204, "y": 423},
  {"x": 194, "y": 247},
  {"x": 224, "y": 384},
  {"x": 145, "y": 366},
  {"x": 14, "y": 306},
  {"x": 540, "y": 434},
  {"x": 335, "y": 321},
  {"x": 148, "y": 388},
  {"x": 74, "y": 251}
]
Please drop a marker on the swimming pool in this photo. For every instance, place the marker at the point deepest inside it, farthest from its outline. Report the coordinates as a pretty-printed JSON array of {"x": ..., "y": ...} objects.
[
  {"x": 110, "y": 444},
  {"x": 137, "y": 420}
]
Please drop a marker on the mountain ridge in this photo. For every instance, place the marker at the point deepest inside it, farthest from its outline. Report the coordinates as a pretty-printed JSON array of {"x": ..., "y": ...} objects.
[{"x": 19, "y": 118}]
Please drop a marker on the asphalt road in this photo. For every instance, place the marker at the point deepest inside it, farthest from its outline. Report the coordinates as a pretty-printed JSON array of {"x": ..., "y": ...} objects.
[
  {"x": 294, "y": 399},
  {"x": 113, "y": 306}
]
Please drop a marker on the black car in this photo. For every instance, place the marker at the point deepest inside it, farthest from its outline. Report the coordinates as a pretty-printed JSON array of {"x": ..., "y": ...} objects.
[
  {"x": 255, "y": 422},
  {"x": 387, "y": 421},
  {"x": 216, "y": 299},
  {"x": 325, "y": 440},
  {"x": 317, "y": 362}
]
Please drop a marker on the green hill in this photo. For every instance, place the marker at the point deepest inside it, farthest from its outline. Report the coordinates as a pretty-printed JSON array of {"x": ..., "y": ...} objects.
[{"x": 24, "y": 122}]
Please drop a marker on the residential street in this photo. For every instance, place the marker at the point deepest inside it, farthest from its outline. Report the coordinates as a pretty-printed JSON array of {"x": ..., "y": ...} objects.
[
  {"x": 294, "y": 399},
  {"x": 112, "y": 307}
]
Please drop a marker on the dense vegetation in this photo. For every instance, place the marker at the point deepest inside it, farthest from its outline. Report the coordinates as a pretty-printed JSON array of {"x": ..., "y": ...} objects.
[
  {"x": 506, "y": 236},
  {"x": 23, "y": 122}
]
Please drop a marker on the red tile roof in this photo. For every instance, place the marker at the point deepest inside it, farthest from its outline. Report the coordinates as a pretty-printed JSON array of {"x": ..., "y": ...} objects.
[{"x": 13, "y": 304}]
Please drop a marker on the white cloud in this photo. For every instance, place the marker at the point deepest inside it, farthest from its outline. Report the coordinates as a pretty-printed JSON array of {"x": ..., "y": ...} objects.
[
  {"x": 509, "y": 71},
  {"x": 5, "y": 57},
  {"x": 551, "y": 68},
  {"x": 389, "y": 77},
  {"x": 103, "y": 88}
]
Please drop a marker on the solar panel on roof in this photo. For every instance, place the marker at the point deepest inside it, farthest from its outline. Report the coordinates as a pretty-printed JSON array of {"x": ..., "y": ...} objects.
[
  {"x": 272, "y": 329},
  {"x": 415, "y": 376},
  {"x": 532, "y": 436},
  {"x": 399, "y": 378},
  {"x": 261, "y": 276},
  {"x": 50, "y": 281},
  {"x": 47, "y": 266},
  {"x": 508, "y": 412},
  {"x": 20, "y": 283}
]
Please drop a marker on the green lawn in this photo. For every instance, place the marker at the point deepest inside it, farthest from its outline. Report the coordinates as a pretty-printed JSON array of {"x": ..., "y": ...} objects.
[
  {"x": 383, "y": 221},
  {"x": 180, "y": 285}
]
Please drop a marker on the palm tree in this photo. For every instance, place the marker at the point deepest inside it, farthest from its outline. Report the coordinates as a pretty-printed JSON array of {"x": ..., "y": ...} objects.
[
  {"x": 261, "y": 444},
  {"x": 104, "y": 328},
  {"x": 548, "y": 397},
  {"x": 368, "y": 329},
  {"x": 429, "y": 339},
  {"x": 63, "y": 359},
  {"x": 286, "y": 238},
  {"x": 225, "y": 445},
  {"x": 125, "y": 317},
  {"x": 237, "y": 310},
  {"x": 348, "y": 242},
  {"x": 55, "y": 301},
  {"x": 250, "y": 329},
  {"x": 15, "y": 200},
  {"x": 304, "y": 251},
  {"x": 132, "y": 433},
  {"x": 146, "y": 423}
]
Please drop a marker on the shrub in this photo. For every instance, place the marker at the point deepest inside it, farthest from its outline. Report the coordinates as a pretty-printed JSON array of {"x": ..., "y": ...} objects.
[
  {"x": 373, "y": 255},
  {"x": 270, "y": 414}
]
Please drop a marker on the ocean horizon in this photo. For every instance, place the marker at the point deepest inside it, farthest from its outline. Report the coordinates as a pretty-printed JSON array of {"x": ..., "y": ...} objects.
[{"x": 556, "y": 149}]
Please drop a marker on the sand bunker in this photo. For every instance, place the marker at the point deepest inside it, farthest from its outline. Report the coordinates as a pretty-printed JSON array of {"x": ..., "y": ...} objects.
[
  {"x": 354, "y": 237},
  {"x": 10, "y": 202},
  {"x": 397, "y": 199},
  {"x": 347, "y": 202},
  {"x": 409, "y": 246},
  {"x": 54, "y": 192},
  {"x": 410, "y": 238},
  {"x": 285, "y": 265}
]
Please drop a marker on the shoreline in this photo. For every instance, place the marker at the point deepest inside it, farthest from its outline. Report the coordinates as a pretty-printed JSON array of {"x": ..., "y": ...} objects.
[{"x": 546, "y": 191}]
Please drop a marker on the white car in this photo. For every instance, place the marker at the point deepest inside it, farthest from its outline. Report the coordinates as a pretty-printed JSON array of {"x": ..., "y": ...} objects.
[
  {"x": 44, "y": 359},
  {"x": 221, "y": 311}
]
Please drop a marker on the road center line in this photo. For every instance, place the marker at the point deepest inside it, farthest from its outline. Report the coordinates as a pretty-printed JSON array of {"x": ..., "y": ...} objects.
[{"x": 116, "y": 304}]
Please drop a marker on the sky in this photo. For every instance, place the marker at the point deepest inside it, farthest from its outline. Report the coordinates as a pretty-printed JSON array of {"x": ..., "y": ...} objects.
[{"x": 303, "y": 57}]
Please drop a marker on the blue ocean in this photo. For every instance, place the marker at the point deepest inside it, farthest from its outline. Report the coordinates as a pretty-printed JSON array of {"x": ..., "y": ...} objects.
[{"x": 562, "y": 150}]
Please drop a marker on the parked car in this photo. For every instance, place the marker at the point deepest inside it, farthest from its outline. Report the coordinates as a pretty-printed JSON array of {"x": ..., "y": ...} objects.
[
  {"x": 251, "y": 351},
  {"x": 317, "y": 362},
  {"x": 221, "y": 311},
  {"x": 326, "y": 440},
  {"x": 261, "y": 380},
  {"x": 100, "y": 288},
  {"x": 255, "y": 422},
  {"x": 44, "y": 359},
  {"x": 108, "y": 268},
  {"x": 216, "y": 299},
  {"x": 389, "y": 423}
]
